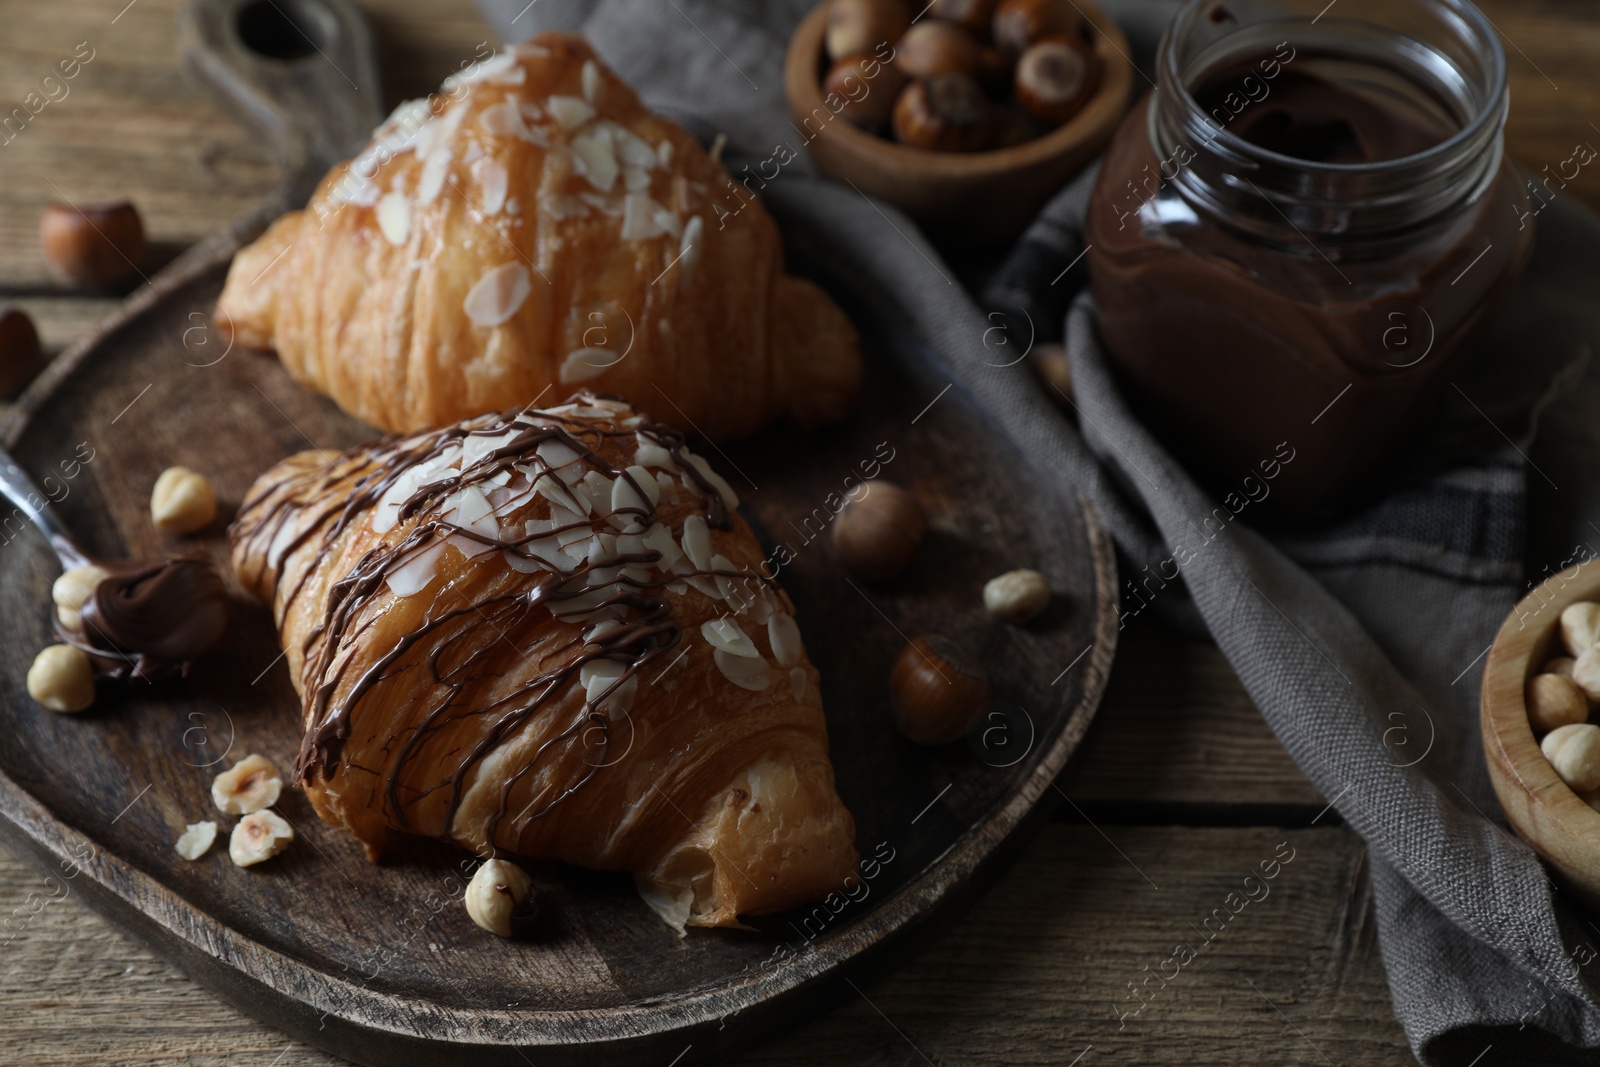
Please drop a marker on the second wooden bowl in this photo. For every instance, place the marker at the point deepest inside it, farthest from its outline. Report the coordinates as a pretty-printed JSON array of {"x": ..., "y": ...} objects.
[
  {"x": 975, "y": 196},
  {"x": 1540, "y": 807}
]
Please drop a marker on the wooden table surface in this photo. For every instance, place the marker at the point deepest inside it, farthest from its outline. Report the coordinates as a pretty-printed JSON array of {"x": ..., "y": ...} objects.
[{"x": 1179, "y": 791}]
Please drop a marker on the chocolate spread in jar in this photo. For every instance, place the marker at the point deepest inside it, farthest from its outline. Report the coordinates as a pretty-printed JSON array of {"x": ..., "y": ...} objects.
[{"x": 1233, "y": 345}]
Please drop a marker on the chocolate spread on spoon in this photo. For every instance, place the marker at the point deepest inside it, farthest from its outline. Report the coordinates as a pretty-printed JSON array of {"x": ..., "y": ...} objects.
[{"x": 152, "y": 619}]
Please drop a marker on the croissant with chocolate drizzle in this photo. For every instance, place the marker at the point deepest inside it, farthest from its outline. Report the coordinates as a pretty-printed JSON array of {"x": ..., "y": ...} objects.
[
  {"x": 534, "y": 225},
  {"x": 548, "y": 633}
]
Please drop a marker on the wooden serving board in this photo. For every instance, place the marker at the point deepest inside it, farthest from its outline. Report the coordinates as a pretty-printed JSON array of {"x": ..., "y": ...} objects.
[{"x": 380, "y": 964}]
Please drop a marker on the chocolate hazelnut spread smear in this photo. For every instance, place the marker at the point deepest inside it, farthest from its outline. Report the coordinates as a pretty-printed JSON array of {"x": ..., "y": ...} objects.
[
  {"x": 152, "y": 620},
  {"x": 455, "y": 633}
]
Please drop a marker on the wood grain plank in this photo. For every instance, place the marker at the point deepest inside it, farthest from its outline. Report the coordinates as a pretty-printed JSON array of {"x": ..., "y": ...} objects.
[{"x": 1032, "y": 975}]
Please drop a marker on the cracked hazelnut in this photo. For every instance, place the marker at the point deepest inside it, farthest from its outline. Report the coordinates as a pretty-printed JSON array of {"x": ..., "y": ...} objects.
[
  {"x": 931, "y": 48},
  {"x": 1016, "y": 596},
  {"x": 500, "y": 898},
  {"x": 196, "y": 840},
  {"x": 1020, "y": 23},
  {"x": 936, "y": 694},
  {"x": 248, "y": 786},
  {"x": 20, "y": 354},
  {"x": 868, "y": 88},
  {"x": 1554, "y": 702},
  {"x": 98, "y": 245},
  {"x": 72, "y": 590},
  {"x": 259, "y": 836},
  {"x": 948, "y": 113},
  {"x": 182, "y": 501},
  {"x": 974, "y": 16},
  {"x": 1574, "y": 752},
  {"x": 1055, "y": 78},
  {"x": 859, "y": 26},
  {"x": 61, "y": 679},
  {"x": 878, "y": 533}
]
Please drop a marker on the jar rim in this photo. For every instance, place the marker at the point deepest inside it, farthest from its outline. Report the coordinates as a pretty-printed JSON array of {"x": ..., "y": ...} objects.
[{"x": 1490, "y": 111}]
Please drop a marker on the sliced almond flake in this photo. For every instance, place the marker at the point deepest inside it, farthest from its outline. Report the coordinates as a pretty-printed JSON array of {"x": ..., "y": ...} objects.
[
  {"x": 498, "y": 295},
  {"x": 718, "y": 483},
  {"x": 664, "y": 153},
  {"x": 651, "y": 454},
  {"x": 502, "y": 120},
  {"x": 596, "y": 487},
  {"x": 797, "y": 684},
  {"x": 668, "y": 485},
  {"x": 689, "y": 247},
  {"x": 474, "y": 153},
  {"x": 414, "y": 575},
  {"x": 558, "y": 493},
  {"x": 434, "y": 172},
  {"x": 624, "y": 497},
  {"x": 609, "y": 205},
  {"x": 598, "y": 675},
  {"x": 398, "y": 132},
  {"x": 531, "y": 111},
  {"x": 639, "y": 218},
  {"x": 659, "y": 539},
  {"x": 394, "y": 218},
  {"x": 784, "y": 638},
  {"x": 493, "y": 178},
  {"x": 570, "y": 111},
  {"x": 635, "y": 180},
  {"x": 727, "y": 635},
  {"x": 584, "y": 363},
  {"x": 733, "y": 590},
  {"x": 763, "y": 610},
  {"x": 599, "y": 630},
  {"x": 697, "y": 542},
  {"x": 497, "y": 65},
  {"x": 513, "y": 206},
  {"x": 591, "y": 81},
  {"x": 669, "y": 222},
  {"x": 752, "y": 674},
  {"x": 517, "y": 75},
  {"x": 705, "y": 585},
  {"x": 557, "y": 454},
  {"x": 677, "y": 588},
  {"x": 476, "y": 447},
  {"x": 633, "y": 150},
  {"x": 528, "y": 48},
  {"x": 595, "y": 158}
]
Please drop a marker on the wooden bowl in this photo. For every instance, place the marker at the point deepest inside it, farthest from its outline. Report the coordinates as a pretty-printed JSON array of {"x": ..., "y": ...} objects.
[
  {"x": 1540, "y": 807},
  {"x": 974, "y": 196}
]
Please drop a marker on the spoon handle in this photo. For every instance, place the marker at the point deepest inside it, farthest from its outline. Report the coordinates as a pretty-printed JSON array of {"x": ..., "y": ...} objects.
[{"x": 35, "y": 506}]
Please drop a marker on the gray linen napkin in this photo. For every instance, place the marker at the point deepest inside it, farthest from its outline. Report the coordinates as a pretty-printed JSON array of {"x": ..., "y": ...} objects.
[{"x": 1362, "y": 641}]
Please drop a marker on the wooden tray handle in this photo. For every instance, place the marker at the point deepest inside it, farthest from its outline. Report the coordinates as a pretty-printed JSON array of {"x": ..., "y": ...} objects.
[{"x": 302, "y": 74}]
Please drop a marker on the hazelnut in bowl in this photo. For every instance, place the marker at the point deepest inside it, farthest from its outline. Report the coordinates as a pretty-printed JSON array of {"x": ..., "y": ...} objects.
[
  {"x": 1540, "y": 685},
  {"x": 966, "y": 114}
]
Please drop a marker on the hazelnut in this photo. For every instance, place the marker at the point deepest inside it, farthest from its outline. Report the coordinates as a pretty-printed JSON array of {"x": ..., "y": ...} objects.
[
  {"x": 196, "y": 840},
  {"x": 948, "y": 113},
  {"x": 868, "y": 88},
  {"x": 182, "y": 501},
  {"x": 500, "y": 898},
  {"x": 259, "y": 836},
  {"x": 96, "y": 244},
  {"x": 974, "y": 16},
  {"x": 1017, "y": 596},
  {"x": 1054, "y": 367},
  {"x": 878, "y": 533},
  {"x": 1574, "y": 752},
  {"x": 61, "y": 679},
  {"x": 1055, "y": 78},
  {"x": 1561, "y": 665},
  {"x": 20, "y": 354},
  {"x": 856, "y": 27},
  {"x": 248, "y": 786},
  {"x": 931, "y": 48},
  {"x": 1580, "y": 626},
  {"x": 935, "y": 694},
  {"x": 1020, "y": 23},
  {"x": 1586, "y": 672},
  {"x": 73, "y": 589},
  {"x": 1554, "y": 702}
]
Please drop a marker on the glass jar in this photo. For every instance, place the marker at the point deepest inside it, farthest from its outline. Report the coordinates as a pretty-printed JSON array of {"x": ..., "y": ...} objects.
[{"x": 1295, "y": 234}]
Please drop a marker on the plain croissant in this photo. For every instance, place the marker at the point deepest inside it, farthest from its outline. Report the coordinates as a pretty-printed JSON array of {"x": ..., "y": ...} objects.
[
  {"x": 531, "y": 227},
  {"x": 546, "y": 633}
]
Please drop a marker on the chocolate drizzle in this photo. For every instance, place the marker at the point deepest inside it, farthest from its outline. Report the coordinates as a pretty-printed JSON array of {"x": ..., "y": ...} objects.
[
  {"x": 465, "y": 636},
  {"x": 151, "y": 620}
]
